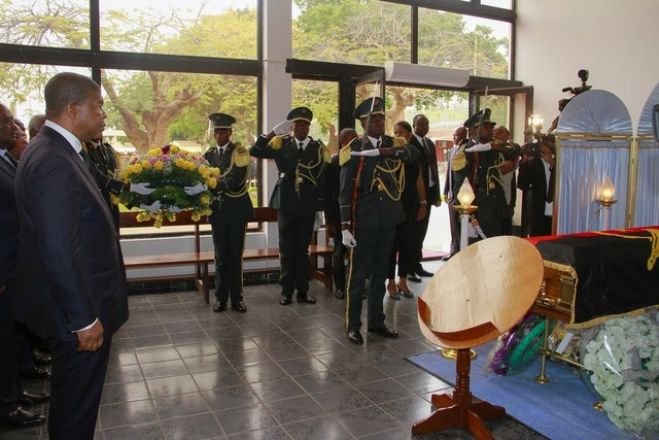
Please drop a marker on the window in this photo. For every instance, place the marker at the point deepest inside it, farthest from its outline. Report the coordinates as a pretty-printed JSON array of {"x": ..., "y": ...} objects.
[
  {"x": 322, "y": 98},
  {"x": 181, "y": 27},
  {"x": 351, "y": 31},
  {"x": 505, "y": 4},
  {"x": 21, "y": 87},
  {"x": 464, "y": 42},
  {"x": 50, "y": 23},
  {"x": 500, "y": 106}
]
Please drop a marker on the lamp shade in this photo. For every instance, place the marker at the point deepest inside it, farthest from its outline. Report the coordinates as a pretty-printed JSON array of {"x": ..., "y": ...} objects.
[
  {"x": 466, "y": 194},
  {"x": 606, "y": 191}
]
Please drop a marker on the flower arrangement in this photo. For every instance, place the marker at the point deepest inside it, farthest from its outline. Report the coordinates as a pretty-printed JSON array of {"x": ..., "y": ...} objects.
[
  {"x": 624, "y": 361},
  {"x": 516, "y": 349},
  {"x": 166, "y": 181}
]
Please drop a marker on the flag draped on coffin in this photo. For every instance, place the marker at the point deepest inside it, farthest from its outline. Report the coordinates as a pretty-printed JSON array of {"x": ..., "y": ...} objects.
[
  {"x": 646, "y": 209},
  {"x": 584, "y": 162}
]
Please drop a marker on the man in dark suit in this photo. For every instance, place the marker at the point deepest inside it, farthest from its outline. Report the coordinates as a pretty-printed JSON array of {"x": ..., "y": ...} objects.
[
  {"x": 371, "y": 187},
  {"x": 451, "y": 188},
  {"x": 430, "y": 177},
  {"x": 70, "y": 272},
  {"x": 11, "y": 394},
  {"x": 536, "y": 177},
  {"x": 232, "y": 209},
  {"x": 297, "y": 196}
]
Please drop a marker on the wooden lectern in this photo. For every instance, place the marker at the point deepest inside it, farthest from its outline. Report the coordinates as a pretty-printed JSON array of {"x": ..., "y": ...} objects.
[{"x": 480, "y": 293}]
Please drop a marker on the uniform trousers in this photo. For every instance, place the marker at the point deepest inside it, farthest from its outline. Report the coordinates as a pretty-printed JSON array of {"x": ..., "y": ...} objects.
[
  {"x": 75, "y": 389},
  {"x": 370, "y": 258},
  {"x": 9, "y": 386},
  {"x": 454, "y": 223},
  {"x": 295, "y": 231},
  {"x": 229, "y": 243}
]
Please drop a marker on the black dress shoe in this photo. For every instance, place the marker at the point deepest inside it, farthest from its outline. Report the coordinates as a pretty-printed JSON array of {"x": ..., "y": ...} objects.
[
  {"x": 355, "y": 337},
  {"x": 340, "y": 294},
  {"x": 35, "y": 373},
  {"x": 424, "y": 273},
  {"x": 285, "y": 300},
  {"x": 305, "y": 298},
  {"x": 29, "y": 399},
  {"x": 219, "y": 306},
  {"x": 239, "y": 307},
  {"x": 20, "y": 418},
  {"x": 414, "y": 278},
  {"x": 41, "y": 358},
  {"x": 384, "y": 332}
]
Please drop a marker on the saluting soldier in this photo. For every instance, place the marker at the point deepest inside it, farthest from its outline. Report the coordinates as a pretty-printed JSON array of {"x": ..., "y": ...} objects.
[
  {"x": 483, "y": 173},
  {"x": 372, "y": 180},
  {"x": 298, "y": 196},
  {"x": 232, "y": 210}
]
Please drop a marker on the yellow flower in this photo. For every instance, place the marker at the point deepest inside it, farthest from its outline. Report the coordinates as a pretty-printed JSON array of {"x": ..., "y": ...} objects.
[
  {"x": 195, "y": 217},
  {"x": 115, "y": 199},
  {"x": 204, "y": 199},
  {"x": 123, "y": 174},
  {"x": 145, "y": 164},
  {"x": 215, "y": 171},
  {"x": 212, "y": 182},
  {"x": 208, "y": 211},
  {"x": 174, "y": 148},
  {"x": 143, "y": 216},
  {"x": 180, "y": 163},
  {"x": 154, "y": 152},
  {"x": 136, "y": 169},
  {"x": 159, "y": 165},
  {"x": 158, "y": 222},
  {"x": 204, "y": 171}
]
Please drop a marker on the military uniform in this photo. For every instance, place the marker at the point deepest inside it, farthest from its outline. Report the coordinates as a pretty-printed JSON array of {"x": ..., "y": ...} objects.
[
  {"x": 371, "y": 189},
  {"x": 232, "y": 210},
  {"x": 484, "y": 176},
  {"x": 297, "y": 196},
  {"x": 508, "y": 151},
  {"x": 102, "y": 163},
  {"x": 333, "y": 222}
]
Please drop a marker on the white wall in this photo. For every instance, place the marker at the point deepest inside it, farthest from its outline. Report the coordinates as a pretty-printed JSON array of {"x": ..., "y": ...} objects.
[{"x": 615, "y": 40}]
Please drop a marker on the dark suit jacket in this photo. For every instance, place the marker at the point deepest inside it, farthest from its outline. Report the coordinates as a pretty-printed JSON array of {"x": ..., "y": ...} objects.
[
  {"x": 332, "y": 184},
  {"x": 70, "y": 269},
  {"x": 532, "y": 178},
  {"x": 428, "y": 162},
  {"x": 233, "y": 204},
  {"x": 288, "y": 196},
  {"x": 8, "y": 223}
]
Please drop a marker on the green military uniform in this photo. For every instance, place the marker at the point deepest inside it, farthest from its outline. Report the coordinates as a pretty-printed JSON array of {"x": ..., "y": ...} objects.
[
  {"x": 369, "y": 199},
  {"x": 483, "y": 173},
  {"x": 232, "y": 210},
  {"x": 297, "y": 196}
]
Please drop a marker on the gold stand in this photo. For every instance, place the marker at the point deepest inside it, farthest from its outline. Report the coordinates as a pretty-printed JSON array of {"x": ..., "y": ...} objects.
[
  {"x": 543, "y": 378},
  {"x": 452, "y": 353}
]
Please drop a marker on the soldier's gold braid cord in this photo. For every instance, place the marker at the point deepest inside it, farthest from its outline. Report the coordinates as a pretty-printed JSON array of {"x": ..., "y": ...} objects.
[
  {"x": 654, "y": 244},
  {"x": 400, "y": 181},
  {"x": 242, "y": 191},
  {"x": 309, "y": 176}
]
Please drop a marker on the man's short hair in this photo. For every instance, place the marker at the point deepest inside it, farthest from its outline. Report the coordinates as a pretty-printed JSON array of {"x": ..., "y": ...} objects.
[
  {"x": 417, "y": 117},
  {"x": 65, "y": 88},
  {"x": 36, "y": 122}
]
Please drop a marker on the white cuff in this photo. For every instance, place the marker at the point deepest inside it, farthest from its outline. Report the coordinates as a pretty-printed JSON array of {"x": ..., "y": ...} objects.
[{"x": 86, "y": 328}]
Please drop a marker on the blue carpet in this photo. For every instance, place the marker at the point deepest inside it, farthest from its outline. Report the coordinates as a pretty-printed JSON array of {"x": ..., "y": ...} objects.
[{"x": 560, "y": 410}]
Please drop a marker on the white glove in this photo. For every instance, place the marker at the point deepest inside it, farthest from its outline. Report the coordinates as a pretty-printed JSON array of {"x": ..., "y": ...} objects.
[
  {"x": 283, "y": 127},
  {"x": 142, "y": 188},
  {"x": 348, "y": 240},
  {"x": 152, "y": 207},
  {"x": 478, "y": 148},
  {"x": 174, "y": 209},
  {"x": 318, "y": 221},
  {"x": 194, "y": 190},
  {"x": 330, "y": 242},
  {"x": 366, "y": 153}
]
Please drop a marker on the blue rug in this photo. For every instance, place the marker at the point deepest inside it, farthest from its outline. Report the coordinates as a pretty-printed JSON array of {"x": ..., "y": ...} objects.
[{"x": 560, "y": 410}]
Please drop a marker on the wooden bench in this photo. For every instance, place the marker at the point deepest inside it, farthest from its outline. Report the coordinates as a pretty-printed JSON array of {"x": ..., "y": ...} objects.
[{"x": 202, "y": 259}]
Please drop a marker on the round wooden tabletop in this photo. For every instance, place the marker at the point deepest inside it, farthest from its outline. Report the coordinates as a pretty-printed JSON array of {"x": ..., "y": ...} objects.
[{"x": 481, "y": 292}]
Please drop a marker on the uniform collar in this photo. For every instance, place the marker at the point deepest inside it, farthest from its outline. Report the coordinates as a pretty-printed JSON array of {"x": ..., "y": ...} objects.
[
  {"x": 375, "y": 141},
  {"x": 223, "y": 147},
  {"x": 305, "y": 142}
]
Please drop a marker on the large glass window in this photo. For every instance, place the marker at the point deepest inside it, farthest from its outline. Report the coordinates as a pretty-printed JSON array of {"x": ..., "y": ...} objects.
[
  {"x": 21, "y": 87},
  {"x": 505, "y": 4},
  {"x": 464, "y": 42},
  {"x": 51, "y": 23},
  {"x": 224, "y": 29},
  {"x": 351, "y": 31},
  {"x": 322, "y": 98}
]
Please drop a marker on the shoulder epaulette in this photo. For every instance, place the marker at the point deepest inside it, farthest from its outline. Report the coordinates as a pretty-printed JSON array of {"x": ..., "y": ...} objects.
[
  {"x": 276, "y": 142},
  {"x": 241, "y": 156},
  {"x": 327, "y": 155},
  {"x": 399, "y": 141},
  {"x": 344, "y": 154}
]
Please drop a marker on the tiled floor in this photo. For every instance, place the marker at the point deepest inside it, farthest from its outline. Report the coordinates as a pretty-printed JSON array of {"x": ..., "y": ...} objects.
[{"x": 180, "y": 371}]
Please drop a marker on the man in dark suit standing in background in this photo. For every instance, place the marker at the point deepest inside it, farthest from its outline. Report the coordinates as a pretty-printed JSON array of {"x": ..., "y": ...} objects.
[
  {"x": 232, "y": 209},
  {"x": 297, "y": 196},
  {"x": 430, "y": 177},
  {"x": 70, "y": 271},
  {"x": 12, "y": 398}
]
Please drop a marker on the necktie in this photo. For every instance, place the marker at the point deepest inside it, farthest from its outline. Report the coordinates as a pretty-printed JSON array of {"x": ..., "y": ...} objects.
[
  {"x": 85, "y": 156},
  {"x": 552, "y": 182},
  {"x": 221, "y": 151},
  {"x": 300, "y": 150},
  {"x": 377, "y": 145},
  {"x": 11, "y": 160}
]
